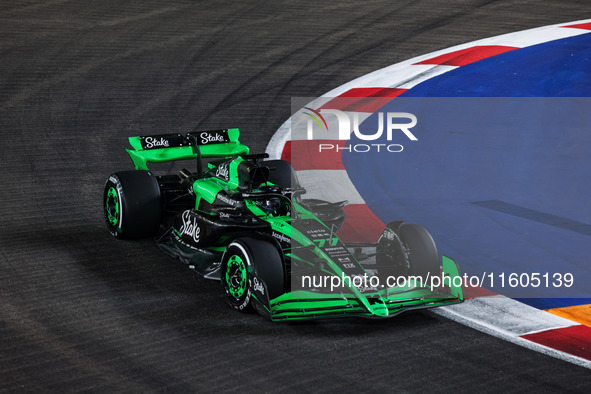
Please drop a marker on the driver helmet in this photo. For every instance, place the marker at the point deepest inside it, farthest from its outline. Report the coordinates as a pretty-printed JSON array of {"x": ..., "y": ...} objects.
[{"x": 270, "y": 205}]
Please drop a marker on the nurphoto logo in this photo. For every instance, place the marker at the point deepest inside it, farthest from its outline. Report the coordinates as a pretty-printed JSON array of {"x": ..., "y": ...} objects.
[{"x": 393, "y": 123}]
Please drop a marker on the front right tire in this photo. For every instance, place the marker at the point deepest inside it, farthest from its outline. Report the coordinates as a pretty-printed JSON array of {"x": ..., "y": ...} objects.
[
  {"x": 406, "y": 250},
  {"x": 421, "y": 251}
]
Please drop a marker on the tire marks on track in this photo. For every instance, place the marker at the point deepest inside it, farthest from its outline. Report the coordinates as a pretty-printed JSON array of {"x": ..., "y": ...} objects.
[{"x": 82, "y": 311}]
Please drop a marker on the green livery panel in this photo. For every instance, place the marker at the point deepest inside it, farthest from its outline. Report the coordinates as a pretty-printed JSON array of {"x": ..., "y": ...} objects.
[{"x": 241, "y": 219}]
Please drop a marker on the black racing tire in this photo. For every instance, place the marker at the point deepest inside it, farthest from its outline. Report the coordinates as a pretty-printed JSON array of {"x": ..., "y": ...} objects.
[
  {"x": 406, "y": 250},
  {"x": 281, "y": 173},
  {"x": 132, "y": 204},
  {"x": 391, "y": 259},
  {"x": 245, "y": 258},
  {"x": 421, "y": 250}
]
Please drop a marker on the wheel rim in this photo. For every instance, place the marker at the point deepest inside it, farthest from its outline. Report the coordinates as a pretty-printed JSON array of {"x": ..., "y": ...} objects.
[
  {"x": 396, "y": 254},
  {"x": 236, "y": 276},
  {"x": 112, "y": 206}
]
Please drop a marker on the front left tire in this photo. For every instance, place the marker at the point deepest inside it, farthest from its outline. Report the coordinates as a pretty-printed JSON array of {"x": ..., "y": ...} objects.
[{"x": 250, "y": 259}]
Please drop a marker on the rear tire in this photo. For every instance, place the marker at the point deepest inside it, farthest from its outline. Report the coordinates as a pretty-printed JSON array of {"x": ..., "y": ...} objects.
[
  {"x": 244, "y": 259},
  {"x": 281, "y": 174},
  {"x": 132, "y": 204}
]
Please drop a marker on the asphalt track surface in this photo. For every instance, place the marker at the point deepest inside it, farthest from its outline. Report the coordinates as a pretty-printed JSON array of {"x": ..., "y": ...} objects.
[{"x": 82, "y": 311}]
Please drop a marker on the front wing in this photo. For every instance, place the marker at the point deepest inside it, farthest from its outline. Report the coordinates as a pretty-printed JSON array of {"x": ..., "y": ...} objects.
[{"x": 388, "y": 302}]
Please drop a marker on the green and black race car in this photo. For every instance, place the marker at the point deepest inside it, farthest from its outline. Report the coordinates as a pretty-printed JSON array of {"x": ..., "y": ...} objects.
[{"x": 241, "y": 219}]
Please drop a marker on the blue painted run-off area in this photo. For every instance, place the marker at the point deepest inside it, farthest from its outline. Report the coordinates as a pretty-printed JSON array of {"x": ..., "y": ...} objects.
[{"x": 501, "y": 173}]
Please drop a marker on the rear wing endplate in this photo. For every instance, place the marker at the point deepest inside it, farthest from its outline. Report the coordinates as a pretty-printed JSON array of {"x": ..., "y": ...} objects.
[{"x": 195, "y": 145}]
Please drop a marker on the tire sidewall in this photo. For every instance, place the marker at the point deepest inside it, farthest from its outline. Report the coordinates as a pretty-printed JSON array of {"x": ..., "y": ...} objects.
[
  {"x": 140, "y": 204},
  {"x": 114, "y": 183},
  {"x": 238, "y": 248},
  {"x": 422, "y": 251},
  {"x": 391, "y": 257},
  {"x": 264, "y": 261}
]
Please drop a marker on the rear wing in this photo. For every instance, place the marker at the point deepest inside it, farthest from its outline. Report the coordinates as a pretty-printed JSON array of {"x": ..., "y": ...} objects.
[{"x": 195, "y": 145}]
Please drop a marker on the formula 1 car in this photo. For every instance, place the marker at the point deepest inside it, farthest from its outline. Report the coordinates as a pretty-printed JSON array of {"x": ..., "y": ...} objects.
[{"x": 242, "y": 220}]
